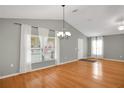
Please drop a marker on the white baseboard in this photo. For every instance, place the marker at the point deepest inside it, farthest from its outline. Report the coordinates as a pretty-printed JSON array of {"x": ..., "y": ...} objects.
[
  {"x": 62, "y": 63},
  {"x": 2, "y": 77},
  {"x": 15, "y": 74},
  {"x": 116, "y": 60},
  {"x": 113, "y": 60}
]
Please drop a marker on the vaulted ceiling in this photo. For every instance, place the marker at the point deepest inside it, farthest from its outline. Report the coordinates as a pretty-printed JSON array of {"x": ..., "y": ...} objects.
[{"x": 91, "y": 20}]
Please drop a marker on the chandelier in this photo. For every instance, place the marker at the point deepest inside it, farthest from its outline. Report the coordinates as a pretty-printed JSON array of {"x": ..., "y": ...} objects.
[{"x": 63, "y": 34}]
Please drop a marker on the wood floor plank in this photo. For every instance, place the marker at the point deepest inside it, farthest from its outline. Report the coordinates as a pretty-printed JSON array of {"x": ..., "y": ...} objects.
[{"x": 78, "y": 74}]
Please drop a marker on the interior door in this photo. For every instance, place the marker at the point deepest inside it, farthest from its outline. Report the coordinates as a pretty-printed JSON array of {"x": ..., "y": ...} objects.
[{"x": 80, "y": 48}]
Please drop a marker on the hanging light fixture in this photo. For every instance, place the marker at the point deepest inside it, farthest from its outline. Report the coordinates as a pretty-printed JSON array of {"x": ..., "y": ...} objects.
[
  {"x": 63, "y": 34},
  {"x": 121, "y": 26}
]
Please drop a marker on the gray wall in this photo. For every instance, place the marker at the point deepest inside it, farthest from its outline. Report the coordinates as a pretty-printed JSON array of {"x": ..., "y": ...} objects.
[
  {"x": 89, "y": 46},
  {"x": 68, "y": 48},
  {"x": 113, "y": 47},
  {"x": 9, "y": 47},
  {"x": 10, "y": 43}
]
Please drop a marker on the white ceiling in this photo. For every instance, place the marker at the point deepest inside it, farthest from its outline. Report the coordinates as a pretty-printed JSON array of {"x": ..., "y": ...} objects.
[
  {"x": 31, "y": 11},
  {"x": 91, "y": 20}
]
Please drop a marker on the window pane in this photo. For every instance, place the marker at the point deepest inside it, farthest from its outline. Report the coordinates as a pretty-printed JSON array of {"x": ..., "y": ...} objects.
[
  {"x": 36, "y": 55},
  {"x": 94, "y": 47},
  {"x": 35, "y": 49},
  {"x": 49, "y": 48},
  {"x": 35, "y": 43},
  {"x": 97, "y": 46}
]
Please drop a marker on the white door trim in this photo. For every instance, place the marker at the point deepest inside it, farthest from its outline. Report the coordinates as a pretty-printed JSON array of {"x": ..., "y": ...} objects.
[
  {"x": 57, "y": 49},
  {"x": 80, "y": 48}
]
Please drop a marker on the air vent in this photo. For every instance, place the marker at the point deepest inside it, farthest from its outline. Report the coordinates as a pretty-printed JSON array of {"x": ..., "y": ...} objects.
[{"x": 75, "y": 10}]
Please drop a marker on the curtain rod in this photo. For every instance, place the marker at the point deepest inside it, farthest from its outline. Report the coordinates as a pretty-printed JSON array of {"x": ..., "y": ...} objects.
[{"x": 33, "y": 26}]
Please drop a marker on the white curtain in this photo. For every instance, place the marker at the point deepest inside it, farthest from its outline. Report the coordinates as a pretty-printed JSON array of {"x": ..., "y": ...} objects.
[
  {"x": 43, "y": 35},
  {"x": 97, "y": 46},
  {"x": 57, "y": 49},
  {"x": 25, "y": 48},
  {"x": 93, "y": 47}
]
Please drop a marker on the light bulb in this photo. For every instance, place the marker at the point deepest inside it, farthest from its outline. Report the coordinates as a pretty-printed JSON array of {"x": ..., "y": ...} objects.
[
  {"x": 121, "y": 27},
  {"x": 60, "y": 34},
  {"x": 68, "y": 33}
]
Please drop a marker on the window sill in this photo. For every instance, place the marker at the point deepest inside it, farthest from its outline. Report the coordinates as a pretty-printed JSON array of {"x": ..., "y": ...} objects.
[{"x": 43, "y": 61}]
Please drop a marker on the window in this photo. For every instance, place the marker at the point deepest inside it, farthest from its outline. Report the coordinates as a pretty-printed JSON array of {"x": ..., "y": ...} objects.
[
  {"x": 49, "y": 48},
  {"x": 97, "y": 46},
  {"x": 44, "y": 51},
  {"x": 35, "y": 49}
]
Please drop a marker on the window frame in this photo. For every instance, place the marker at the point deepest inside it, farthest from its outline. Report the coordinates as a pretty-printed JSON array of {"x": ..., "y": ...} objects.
[
  {"x": 41, "y": 53},
  {"x": 36, "y": 48}
]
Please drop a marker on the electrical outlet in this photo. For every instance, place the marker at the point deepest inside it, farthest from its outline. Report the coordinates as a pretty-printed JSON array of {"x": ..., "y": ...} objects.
[{"x": 11, "y": 65}]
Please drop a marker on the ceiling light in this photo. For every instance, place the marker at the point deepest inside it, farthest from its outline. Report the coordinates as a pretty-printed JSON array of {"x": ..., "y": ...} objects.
[
  {"x": 121, "y": 26},
  {"x": 60, "y": 34}
]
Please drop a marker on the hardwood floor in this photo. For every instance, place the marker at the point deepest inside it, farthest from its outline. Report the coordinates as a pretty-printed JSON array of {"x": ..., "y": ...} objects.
[{"x": 72, "y": 75}]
